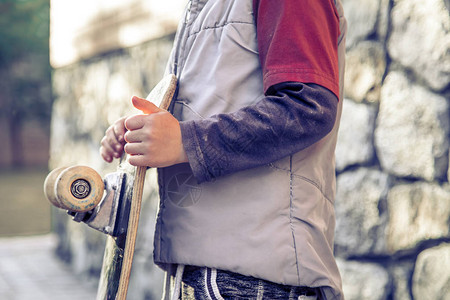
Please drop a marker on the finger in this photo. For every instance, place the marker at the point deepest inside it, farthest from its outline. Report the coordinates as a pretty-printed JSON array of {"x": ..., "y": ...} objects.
[
  {"x": 111, "y": 150},
  {"x": 135, "y": 136},
  {"x": 138, "y": 160},
  {"x": 110, "y": 141},
  {"x": 106, "y": 157},
  {"x": 106, "y": 154},
  {"x": 106, "y": 146},
  {"x": 134, "y": 148},
  {"x": 134, "y": 122},
  {"x": 145, "y": 106},
  {"x": 119, "y": 129}
]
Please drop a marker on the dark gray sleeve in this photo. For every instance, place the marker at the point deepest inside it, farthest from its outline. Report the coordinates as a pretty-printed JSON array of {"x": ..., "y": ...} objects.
[{"x": 291, "y": 117}]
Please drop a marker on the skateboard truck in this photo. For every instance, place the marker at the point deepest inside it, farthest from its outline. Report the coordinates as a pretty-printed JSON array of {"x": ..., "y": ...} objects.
[
  {"x": 102, "y": 204},
  {"x": 110, "y": 216}
]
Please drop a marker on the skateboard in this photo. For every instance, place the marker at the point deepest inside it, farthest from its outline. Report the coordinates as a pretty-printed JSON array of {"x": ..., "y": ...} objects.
[{"x": 111, "y": 205}]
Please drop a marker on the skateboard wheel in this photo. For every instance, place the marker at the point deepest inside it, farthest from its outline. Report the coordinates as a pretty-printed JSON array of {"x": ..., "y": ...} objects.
[
  {"x": 79, "y": 188},
  {"x": 49, "y": 186}
]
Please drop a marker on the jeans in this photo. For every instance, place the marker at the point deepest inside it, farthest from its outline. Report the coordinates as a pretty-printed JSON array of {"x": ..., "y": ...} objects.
[{"x": 211, "y": 284}]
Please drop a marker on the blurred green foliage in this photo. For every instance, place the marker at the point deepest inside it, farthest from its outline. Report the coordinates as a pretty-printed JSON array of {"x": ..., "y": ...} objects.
[
  {"x": 24, "y": 28},
  {"x": 25, "y": 72}
]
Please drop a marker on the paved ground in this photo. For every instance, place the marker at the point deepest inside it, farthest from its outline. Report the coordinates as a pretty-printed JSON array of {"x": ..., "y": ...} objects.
[{"x": 30, "y": 270}]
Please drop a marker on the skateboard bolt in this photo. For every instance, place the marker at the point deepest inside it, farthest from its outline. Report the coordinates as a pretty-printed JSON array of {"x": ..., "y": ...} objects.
[{"x": 80, "y": 188}]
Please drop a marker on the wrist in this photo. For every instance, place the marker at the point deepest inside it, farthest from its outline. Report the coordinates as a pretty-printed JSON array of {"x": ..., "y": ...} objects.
[{"x": 183, "y": 156}]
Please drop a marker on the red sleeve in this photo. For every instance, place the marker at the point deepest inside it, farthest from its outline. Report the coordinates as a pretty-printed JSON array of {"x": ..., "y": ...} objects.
[{"x": 297, "y": 41}]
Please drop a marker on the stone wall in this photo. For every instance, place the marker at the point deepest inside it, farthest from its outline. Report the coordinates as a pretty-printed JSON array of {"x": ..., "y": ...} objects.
[
  {"x": 393, "y": 196},
  {"x": 393, "y": 193}
]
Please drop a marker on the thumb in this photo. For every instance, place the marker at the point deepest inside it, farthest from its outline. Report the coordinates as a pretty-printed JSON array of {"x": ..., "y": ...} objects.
[{"x": 145, "y": 106}]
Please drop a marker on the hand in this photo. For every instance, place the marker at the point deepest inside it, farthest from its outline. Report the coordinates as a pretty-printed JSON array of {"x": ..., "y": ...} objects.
[
  {"x": 153, "y": 139},
  {"x": 113, "y": 142}
]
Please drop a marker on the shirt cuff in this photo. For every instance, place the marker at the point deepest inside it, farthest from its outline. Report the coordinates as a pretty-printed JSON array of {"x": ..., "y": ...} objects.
[{"x": 193, "y": 152}]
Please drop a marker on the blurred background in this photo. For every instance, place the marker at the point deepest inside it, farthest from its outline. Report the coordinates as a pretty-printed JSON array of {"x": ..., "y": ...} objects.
[
  {"x": 25, "y": 111},
  {"x": 69, "y": 68}
]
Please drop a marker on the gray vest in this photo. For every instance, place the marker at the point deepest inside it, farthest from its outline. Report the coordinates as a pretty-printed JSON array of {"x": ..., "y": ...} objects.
[{"x": 274, "y": 222}]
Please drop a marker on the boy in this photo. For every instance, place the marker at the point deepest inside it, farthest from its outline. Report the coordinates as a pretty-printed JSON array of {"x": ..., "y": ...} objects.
[{"x": 246, "y": 161}]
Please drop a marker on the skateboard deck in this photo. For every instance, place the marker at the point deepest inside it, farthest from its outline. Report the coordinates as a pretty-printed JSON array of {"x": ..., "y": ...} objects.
[{"x": 111, "y": 205}]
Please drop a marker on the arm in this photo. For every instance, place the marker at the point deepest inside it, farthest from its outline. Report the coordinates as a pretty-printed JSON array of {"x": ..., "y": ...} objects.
[{"x": 292, "y": 117}]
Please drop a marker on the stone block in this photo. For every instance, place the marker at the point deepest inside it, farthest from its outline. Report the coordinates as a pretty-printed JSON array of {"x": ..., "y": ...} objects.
[
  {"x": 366, "y": 65},
  {"x": 417, "y": 212},
  {"x": 366, "y": 281},
  {"x": 360, "y": 212},
  {"x": 431, "y": 279},
  {"x": 355, "y": 141},
  {"x": 411, "y": 136},
  {"x": 401, "y": 275},
  {"x": 420, "y": 39},
  {"x": 362, "y": 17}
]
